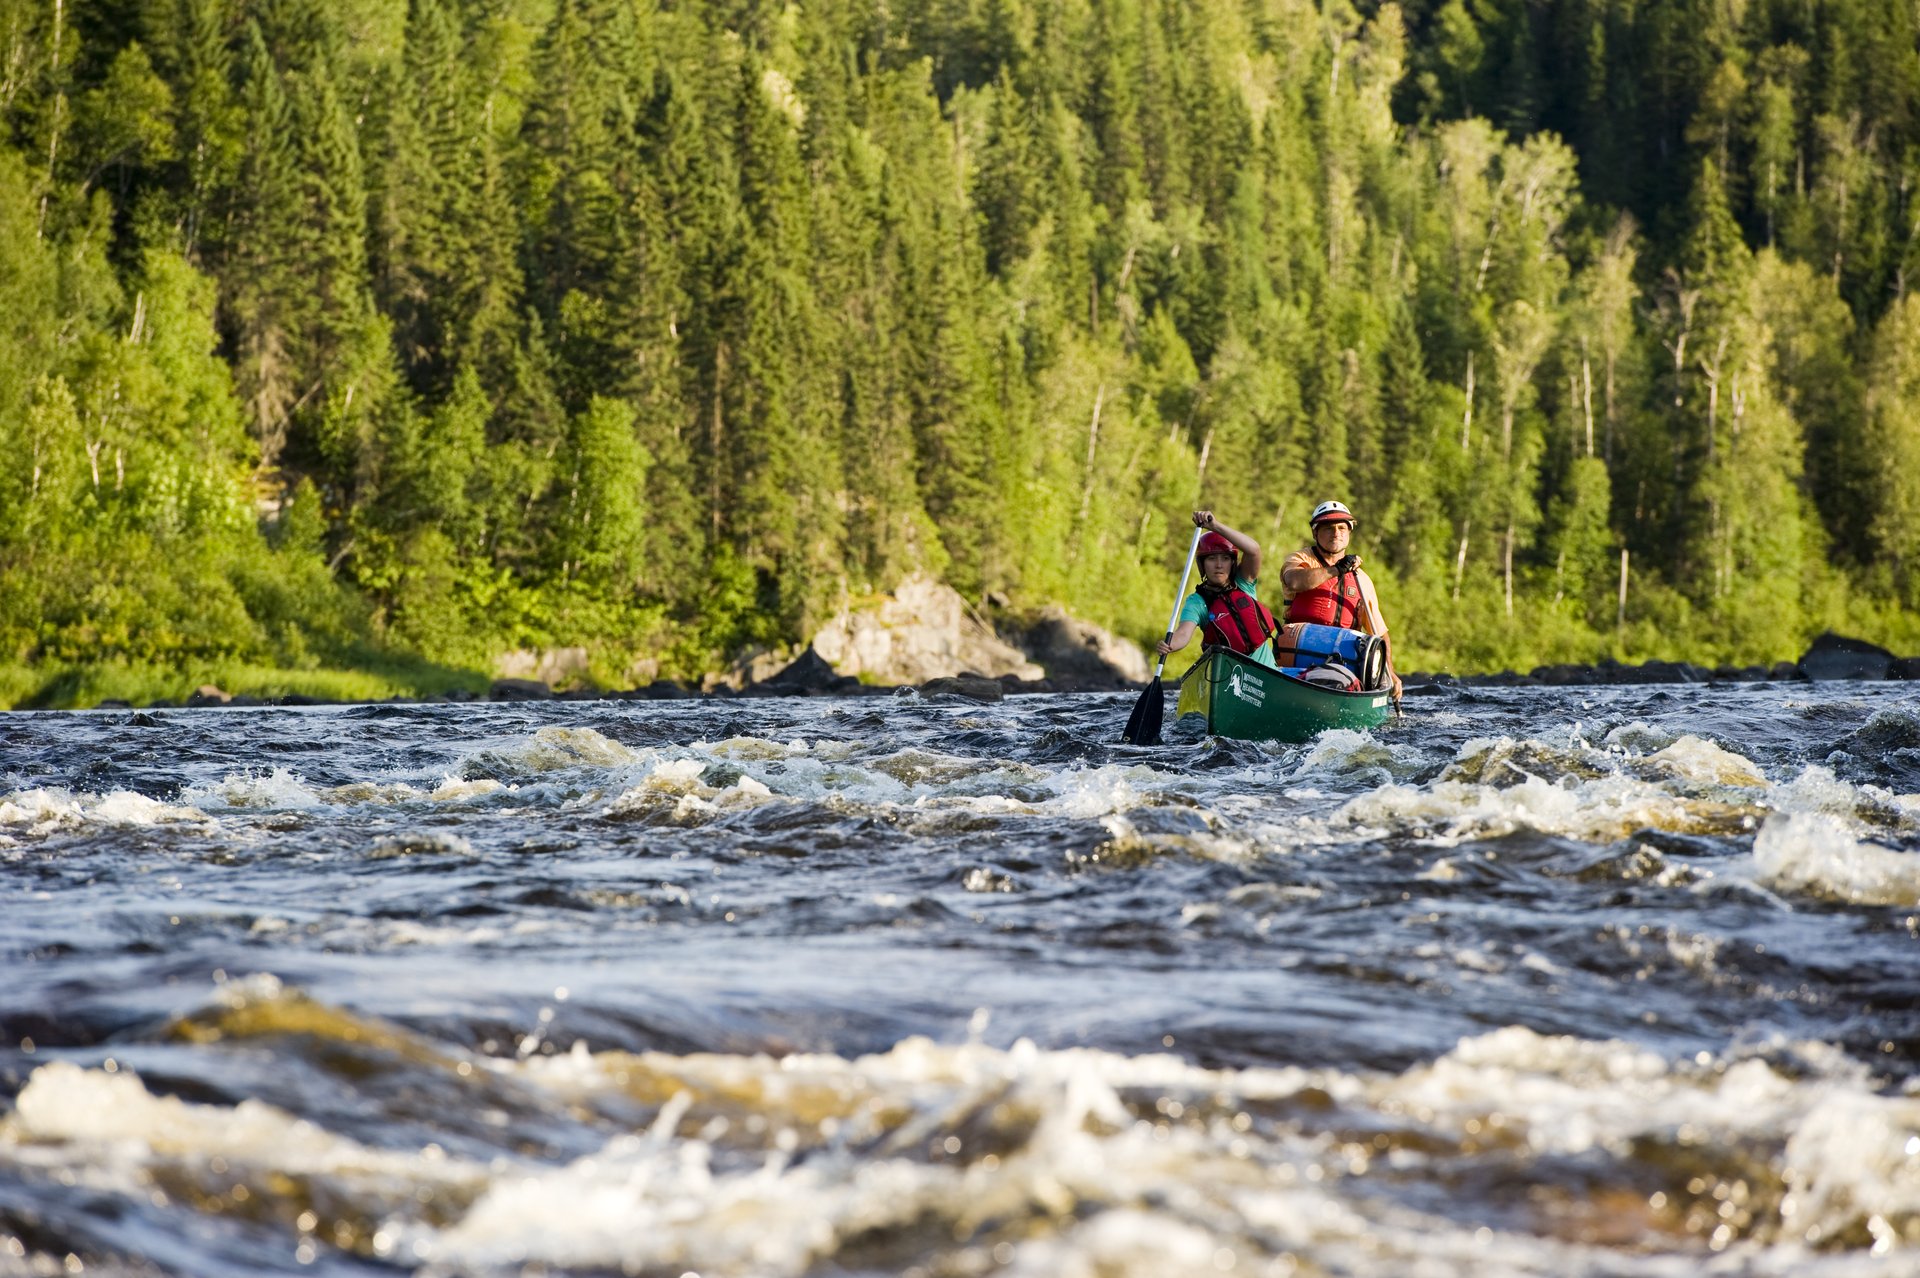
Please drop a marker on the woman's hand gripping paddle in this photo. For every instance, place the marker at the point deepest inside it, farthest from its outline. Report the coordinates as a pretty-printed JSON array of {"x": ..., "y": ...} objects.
[{"x": 1143, "y": 725}]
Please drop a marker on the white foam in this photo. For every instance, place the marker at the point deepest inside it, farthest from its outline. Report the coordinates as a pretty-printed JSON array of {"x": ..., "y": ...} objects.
[
  {"x": 1126, "y": 837},
  {"x": 918, "y": 788},
  {"x": 1106, "y": 1166},
  {"x": 1094, "y": 792},
  {"x": 1640, "y": 779},
  {"x": 554, "y": 749},
  {"x": 1695, "y": 759},
  {"x": 1638, "y": 737},
  {"x": 278, "y": 790},
  {"x": 1100, "y": 1191},
  {"x": 65, "y": 1104},
  {"x": 1340, "y": 750},
  {"x": 44, "y": 811},
  {"x": 453, "y": 789},
  {"x": 1452, "y": 812},
  {"x": 1816, "y": 789},
  {"x": 420, "y": 843},
  {"x": 646, "y": 1202},
  {"x": 1816, "y": 853},
  {"x": 1853, "y": 1163},
  {"x": 676, "y": 786}
]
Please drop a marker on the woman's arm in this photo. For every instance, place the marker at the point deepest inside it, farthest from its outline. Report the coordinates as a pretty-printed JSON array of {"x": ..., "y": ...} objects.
[
  {"x": 1248, "y": 547},
  {"x": 1177, "y": 640}
]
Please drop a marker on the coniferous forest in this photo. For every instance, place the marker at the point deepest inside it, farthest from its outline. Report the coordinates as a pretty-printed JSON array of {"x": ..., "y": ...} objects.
[{"x": 347, "y": 343}]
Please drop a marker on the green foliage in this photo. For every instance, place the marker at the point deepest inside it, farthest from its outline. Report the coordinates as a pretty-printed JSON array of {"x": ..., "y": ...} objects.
[{"x": 372, "y": 334}]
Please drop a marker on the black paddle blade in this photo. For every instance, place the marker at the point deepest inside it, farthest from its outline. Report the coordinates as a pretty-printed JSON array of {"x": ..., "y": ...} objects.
[{"x": 1143, "y": 725}]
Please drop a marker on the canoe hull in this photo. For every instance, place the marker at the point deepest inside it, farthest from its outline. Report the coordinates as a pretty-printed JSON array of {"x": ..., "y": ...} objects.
[{"x": 1242, "y": 698}]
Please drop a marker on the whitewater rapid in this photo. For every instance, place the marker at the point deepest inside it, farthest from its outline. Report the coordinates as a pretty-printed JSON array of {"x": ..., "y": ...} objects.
[{"x": 1530, "y": 982}]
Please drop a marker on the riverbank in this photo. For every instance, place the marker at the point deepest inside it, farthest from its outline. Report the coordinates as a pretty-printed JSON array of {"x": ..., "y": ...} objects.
[
  {"x": 113, "y": 685},
  {"x": 1830, "y": 658}
]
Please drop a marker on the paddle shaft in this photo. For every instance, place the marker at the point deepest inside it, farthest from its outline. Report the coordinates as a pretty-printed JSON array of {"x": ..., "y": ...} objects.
[
  {"x": 1379, "y": 628},
  {"x": 1179, "y": 597}
]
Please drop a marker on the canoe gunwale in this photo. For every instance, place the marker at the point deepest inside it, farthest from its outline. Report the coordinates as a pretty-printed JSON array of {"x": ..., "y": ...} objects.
[
  {"x": 1295, "y": 680},
  {"x": 1282, "y": 707}
]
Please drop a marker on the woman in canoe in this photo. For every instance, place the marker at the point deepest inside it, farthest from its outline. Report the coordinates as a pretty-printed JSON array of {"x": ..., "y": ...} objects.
[
  {"x": 1325, "y": 584},
  {"x": 1226, "y": 606}
]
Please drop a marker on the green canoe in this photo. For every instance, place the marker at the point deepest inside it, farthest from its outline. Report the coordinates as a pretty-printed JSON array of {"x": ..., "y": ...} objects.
[{"x": 1242, "y": 698}]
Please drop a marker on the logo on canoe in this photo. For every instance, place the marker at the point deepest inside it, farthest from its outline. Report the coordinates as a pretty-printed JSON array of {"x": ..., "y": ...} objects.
[{"x": 1247, "y": 689}]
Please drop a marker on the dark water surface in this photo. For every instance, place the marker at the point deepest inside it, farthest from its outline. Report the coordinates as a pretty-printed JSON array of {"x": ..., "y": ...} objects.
[{"x": 1534, "y": 981}]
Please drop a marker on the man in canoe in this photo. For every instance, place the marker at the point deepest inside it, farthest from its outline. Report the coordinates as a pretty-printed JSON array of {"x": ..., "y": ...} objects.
[
  {"x": 1325, "y": 584},
  {"x": 1226, "y": 605}
]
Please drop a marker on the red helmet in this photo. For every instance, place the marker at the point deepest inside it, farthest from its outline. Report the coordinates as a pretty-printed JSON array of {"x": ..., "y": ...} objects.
[{"x": 1216, "y": 544}]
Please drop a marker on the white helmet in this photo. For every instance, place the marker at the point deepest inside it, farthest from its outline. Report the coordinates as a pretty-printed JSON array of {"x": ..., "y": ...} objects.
[{"x": 1330, "y": 512}]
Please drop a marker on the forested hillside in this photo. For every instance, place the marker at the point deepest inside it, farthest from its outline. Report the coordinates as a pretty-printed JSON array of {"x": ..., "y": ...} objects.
[{"x": 386, "y": 335}]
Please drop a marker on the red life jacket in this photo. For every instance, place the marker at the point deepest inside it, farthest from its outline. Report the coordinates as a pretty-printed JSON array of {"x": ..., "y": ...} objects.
[
  {"x": 1235, "y": 619},
  {"x": 1337, "y": 601}
]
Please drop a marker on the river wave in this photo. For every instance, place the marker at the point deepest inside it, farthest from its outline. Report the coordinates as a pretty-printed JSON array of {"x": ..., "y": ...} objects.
[{"x": 1610, "y": 981}]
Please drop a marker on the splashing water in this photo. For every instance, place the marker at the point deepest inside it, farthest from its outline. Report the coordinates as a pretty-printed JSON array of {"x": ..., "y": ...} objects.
[{"x": 1530, "y": 982}]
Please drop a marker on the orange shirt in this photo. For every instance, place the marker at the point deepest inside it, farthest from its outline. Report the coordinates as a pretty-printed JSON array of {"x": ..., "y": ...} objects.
[{"x": 1303, "y": 571}]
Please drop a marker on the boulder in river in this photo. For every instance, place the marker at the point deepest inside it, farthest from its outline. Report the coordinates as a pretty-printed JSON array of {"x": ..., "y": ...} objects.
[
  {"x": 1740, "y": 674},
  {"x": 1560, "y": 676},
  {"x": 208, "y": 694},
  {"x": 1905, "y": 668},
  {"x": 664, "y": 690},
  {"x": 976, "y": 687},
  {"x": 808, "y": 675},
  {"x": 1841, "y": 657},
  {"x": 519, "y": 690},
  {"x": 1676, "y": 672}
]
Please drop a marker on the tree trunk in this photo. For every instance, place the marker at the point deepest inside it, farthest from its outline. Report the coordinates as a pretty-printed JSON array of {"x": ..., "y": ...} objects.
[
  {"x": 55, "y": 121},
  {"x": 1093, "y": 439},
  {"x": 1586, "y": 393},
  {"x": 1466, "y": 421},
  {"x": 1509, "y": 567},
  {"x": 716, "y": 435},
  {"x": 1621, "y": 620},
  {"x": 1460, "y": 560},
  {"x": 1611, "y": 357}
]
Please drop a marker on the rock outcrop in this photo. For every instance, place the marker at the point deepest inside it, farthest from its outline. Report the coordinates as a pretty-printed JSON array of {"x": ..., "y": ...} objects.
[
  {"x": 923, "y": 631},
  {"x": 1077, "y": 653},
  {"x": 555, "y": 667}
]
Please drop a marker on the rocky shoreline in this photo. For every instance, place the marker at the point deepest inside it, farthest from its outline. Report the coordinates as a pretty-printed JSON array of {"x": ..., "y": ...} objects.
[
  {"x": 1831, "y": 657},
  {"x": 1074, "y": 656}
]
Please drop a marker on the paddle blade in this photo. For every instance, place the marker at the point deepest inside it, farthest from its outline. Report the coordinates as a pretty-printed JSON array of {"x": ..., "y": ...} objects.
[{"x": 1143, "y": 725}]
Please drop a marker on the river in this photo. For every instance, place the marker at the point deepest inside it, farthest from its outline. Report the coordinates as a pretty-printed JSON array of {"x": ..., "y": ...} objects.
[{"x": 1608, "y": 981}]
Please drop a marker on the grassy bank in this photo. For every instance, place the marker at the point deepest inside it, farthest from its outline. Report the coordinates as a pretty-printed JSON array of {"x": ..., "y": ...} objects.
[{"x": 78, "y": 687}]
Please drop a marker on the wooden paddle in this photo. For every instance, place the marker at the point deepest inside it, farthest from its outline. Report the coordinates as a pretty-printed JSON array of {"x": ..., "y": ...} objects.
[{"x": 1143, "y": 725}]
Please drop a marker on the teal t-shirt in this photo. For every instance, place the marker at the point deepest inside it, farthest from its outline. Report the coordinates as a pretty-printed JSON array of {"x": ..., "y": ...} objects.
[{"x": 1195, "y": 610}]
